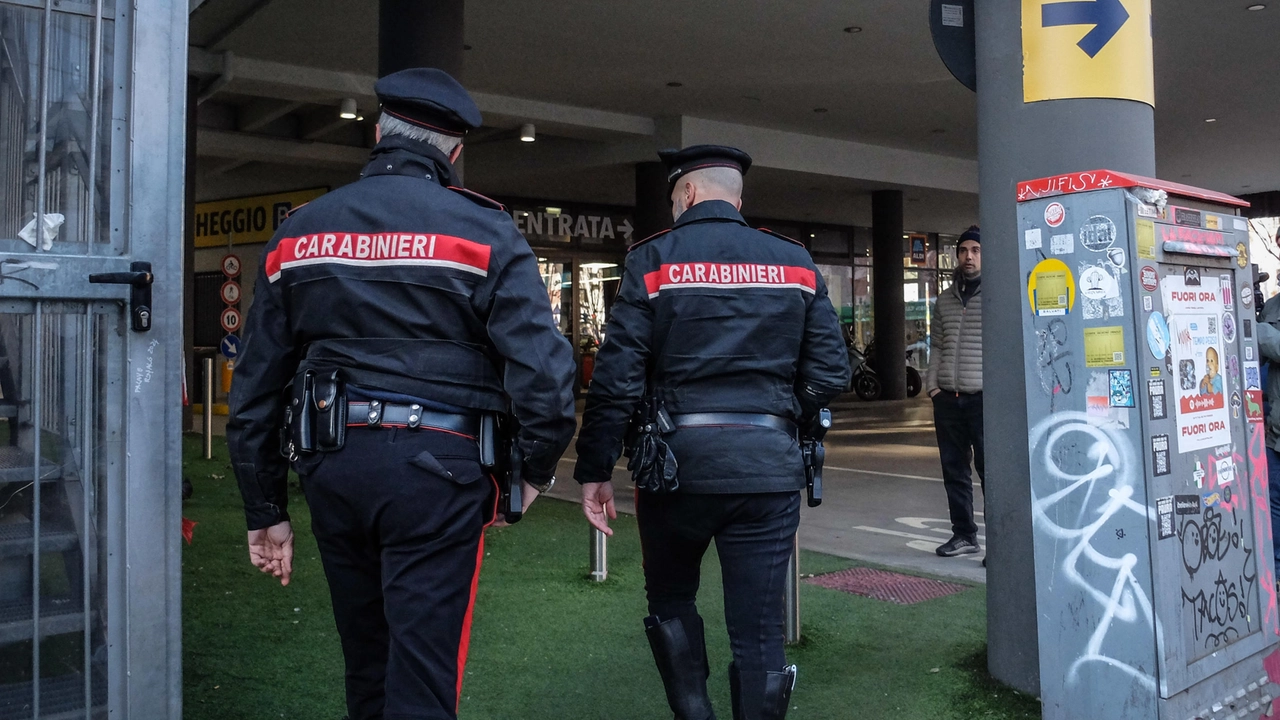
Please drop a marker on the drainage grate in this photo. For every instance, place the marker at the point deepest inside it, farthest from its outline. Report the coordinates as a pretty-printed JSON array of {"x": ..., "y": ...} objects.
[{"x": 888, "y": 586}]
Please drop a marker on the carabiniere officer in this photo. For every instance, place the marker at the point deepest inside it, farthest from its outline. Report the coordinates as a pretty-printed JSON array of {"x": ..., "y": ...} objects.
[
  {"x": 400, "y": 311},
  {"x": 726, "y": 336}
]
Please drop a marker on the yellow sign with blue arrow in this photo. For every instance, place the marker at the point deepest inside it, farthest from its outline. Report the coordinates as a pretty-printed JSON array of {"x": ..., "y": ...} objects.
[{"x": 1087, "y": 49}]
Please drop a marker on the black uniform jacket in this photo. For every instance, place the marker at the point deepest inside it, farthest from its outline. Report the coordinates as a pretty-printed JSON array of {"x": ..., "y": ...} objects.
[
  {"x": 720, "y": 318},
  {"x": 411, "y": 286}
]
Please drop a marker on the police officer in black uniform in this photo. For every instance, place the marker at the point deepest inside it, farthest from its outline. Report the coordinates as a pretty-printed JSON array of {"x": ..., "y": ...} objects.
[
  {"x": 726, "y": 336},
  {"x": 399, "y": 310}
]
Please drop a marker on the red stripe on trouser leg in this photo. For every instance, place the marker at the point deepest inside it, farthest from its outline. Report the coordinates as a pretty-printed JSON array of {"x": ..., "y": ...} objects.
[{"x": 465, "y": 641}]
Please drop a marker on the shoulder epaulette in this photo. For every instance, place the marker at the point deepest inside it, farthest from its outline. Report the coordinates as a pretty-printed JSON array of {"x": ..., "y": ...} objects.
[
  {"x": 638, "y": 243},
  {"x": 779, "y": 235},
  {"x": 296, "y": 208},
  {"x": 479, "y": 199}
]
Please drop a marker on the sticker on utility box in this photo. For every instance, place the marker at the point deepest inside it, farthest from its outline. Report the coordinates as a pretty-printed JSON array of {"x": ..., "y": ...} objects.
[
  {"x": 1193, "y": 302},
  {"x": 1164, "y": 517},
  {"x": 1051, "y": 289},
  {"x": 1104, "y": 346}
]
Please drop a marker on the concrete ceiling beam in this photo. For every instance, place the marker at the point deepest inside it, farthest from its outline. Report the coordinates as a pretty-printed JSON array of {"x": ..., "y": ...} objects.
[
  {"x": 262, "y": 112},
  {"x": 221, "y": 144}
]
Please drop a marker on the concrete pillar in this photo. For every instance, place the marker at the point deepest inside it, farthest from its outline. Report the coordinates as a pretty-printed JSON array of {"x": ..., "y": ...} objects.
[
  {"x": 653, "y": 200},
  {"x": 890, "y": 361},
  {"x": 420, "y": 33},
  {"x": 190, "y": 371},
  {"x": 1024, "y": 141}
]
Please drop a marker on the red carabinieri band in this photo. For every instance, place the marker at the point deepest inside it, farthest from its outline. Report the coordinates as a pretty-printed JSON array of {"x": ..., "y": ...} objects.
[
  {"x": 729, "y": 275},
  {"x": 378, "y": 249}
]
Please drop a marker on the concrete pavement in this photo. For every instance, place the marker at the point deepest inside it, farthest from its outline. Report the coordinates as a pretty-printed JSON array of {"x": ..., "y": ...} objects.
[{"x": 883, "y": 497}]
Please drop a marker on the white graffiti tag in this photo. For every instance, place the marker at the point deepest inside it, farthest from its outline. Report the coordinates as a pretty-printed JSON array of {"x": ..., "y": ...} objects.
[{"x": 1083, "y": 483}]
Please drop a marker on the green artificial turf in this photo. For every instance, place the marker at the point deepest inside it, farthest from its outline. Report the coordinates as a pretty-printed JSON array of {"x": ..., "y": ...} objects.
[{"x": 547, "y": 642}]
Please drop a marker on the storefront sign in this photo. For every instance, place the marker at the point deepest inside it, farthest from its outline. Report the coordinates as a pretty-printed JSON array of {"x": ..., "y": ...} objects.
[
  {"x": 563, "y": 226},
  {"x": 243, "y": 221},
  {"x": 918, "y": 252}
]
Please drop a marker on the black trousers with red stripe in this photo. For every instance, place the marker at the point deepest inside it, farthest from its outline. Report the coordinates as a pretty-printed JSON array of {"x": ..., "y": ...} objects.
[{"x": 399, "y": 516}]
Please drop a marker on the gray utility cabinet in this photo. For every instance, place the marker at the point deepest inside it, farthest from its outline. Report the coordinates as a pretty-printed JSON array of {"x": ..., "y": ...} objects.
[{"x": 1155, "y": 592}]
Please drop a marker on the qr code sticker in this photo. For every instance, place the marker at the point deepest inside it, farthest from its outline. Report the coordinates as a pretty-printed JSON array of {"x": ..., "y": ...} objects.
[{"x": 1117, "y": 357}]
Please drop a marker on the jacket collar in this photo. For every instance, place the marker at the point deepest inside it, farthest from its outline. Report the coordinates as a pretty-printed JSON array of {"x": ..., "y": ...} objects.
[
  {"x": 398, "y": 155},
  {"x": 710, "y": 211},
  {"x": 957, "y": 277}
]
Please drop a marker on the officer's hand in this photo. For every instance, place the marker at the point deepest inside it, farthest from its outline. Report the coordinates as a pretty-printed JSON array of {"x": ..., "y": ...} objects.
[
  {"x": 271, "y": 550},
  {"x": 597, "y": 505},
  {"x": 529, "y": 495}
]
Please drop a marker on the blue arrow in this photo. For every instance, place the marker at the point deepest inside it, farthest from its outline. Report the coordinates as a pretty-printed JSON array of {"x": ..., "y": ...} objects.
[{"x": 1107, "y": 17}]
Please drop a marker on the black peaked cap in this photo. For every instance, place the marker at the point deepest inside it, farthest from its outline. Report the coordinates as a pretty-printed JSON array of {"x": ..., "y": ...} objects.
[
  {"x": 698, "y": 157},
  {"x": 429, "y": 98}
]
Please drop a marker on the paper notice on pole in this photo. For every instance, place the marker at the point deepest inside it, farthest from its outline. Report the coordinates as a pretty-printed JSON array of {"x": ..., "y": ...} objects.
[{"x": 1195, "y": 315}]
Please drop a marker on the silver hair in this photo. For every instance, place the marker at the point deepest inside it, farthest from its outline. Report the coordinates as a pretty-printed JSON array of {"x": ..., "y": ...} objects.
[
  {"x": 725, "y": 179},
  {"x": 395, "y": 126}
]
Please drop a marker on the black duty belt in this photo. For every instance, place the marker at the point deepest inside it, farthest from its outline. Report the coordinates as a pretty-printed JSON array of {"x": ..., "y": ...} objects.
[
  {"x": 715, "y": 419},
  {"x": 376, "y": 413}
]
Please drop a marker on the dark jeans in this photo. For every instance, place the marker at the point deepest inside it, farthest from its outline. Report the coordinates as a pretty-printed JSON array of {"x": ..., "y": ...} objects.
[
  {"x": 401, "y": 543},
  {"x": 957, "y": 419},
  {"x": 1273, "y": 482},
  {"x": 754, "y": 537}
]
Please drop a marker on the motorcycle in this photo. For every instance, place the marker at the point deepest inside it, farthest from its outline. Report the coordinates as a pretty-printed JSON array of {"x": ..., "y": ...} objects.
[{"x": 864, "y": 380}]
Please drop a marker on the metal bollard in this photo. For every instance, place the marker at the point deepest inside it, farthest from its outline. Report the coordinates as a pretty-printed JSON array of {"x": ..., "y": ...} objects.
[
  {"x": 599, "y": 556},
  {"x": 793, "y": 594},
  {"x": 208, "y": 408}
]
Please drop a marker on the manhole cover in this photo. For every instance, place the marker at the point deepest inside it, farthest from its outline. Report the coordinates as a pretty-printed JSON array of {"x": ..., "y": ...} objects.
[{"x": 884, "y": 585}]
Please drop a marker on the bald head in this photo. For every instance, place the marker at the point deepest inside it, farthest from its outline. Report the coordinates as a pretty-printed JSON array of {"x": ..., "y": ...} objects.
[{"x": 713, "y": 183}]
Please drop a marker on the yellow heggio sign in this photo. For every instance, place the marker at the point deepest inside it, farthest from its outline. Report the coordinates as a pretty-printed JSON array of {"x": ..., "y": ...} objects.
[
  {"x": 1087, "y": 49},
  {"x": 247, "y": 220}
]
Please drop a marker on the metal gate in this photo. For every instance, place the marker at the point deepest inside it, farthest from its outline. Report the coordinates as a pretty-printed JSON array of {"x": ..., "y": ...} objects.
[{"x": 92, "y": 100}]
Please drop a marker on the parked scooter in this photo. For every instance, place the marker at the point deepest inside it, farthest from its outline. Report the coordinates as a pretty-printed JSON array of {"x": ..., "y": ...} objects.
[
  {"x": 914, "y": 382},
  {"x": 864, "y": 381}
]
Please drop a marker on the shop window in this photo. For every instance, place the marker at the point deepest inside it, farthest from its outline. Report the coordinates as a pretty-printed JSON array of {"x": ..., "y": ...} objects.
[{"x": 597, "y": 287}]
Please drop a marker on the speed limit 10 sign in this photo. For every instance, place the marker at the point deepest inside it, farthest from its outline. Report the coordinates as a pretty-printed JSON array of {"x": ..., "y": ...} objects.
[
  {"x": 231, "y": 292},
  {"x": 231, "y": 319},
  {"x": 231, "y": 265}
]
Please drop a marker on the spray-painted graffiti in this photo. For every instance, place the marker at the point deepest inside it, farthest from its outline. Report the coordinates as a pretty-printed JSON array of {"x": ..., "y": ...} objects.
[
  {"x": 1218, "y": 551},
  {"x": 1083, "y": 486},
  {"x": 1053, "y": 361},
  {"x": 1261, "y": 521}
]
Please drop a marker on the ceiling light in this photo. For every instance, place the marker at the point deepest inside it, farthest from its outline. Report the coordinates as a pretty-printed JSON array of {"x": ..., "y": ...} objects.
[
  {"x": 1211, "y": 119},
  {"x": 812, "y": 235},
  {"x": 853, "y": 29},
  {"x": 1258, "y": 6},
  {"x": 347, "y": 111},
  {"x": 527, "y": 133},
  {"x": 553, "y": 211},
  {"x": 359, "y": 118},
  {"x": 674, "y": 83},
  {"x": 598, "y": 265}
]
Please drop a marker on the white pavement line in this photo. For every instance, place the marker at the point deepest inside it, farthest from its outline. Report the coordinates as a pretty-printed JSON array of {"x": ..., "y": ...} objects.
[
  {"x": 896, "y": 533},
  {"x": 885, "y": 474},
  {"x": 899, "y": 533}
]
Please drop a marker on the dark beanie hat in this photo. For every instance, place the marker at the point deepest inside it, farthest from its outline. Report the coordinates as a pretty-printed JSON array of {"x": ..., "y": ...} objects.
[{"x": 970, "y": 234}]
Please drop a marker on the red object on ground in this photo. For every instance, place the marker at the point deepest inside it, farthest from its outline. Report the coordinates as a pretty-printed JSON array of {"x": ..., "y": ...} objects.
[
  {"x": 888, "y": 586},
  {"x": 588, "y": 367},
  {"x": 188, "y": 529}
]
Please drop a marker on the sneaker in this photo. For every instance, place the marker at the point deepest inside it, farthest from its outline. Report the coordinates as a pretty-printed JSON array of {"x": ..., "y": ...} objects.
[{"x": 958, "y": 546}]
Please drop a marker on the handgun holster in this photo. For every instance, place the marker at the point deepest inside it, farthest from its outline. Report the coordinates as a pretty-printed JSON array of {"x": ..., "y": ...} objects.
[{"x": 318, "y": 410}]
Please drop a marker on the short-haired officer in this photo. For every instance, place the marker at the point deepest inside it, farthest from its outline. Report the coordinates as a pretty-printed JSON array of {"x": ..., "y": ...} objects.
[
  {"x": 729, "y": 331},
  {"x": 403, "y": 309}
]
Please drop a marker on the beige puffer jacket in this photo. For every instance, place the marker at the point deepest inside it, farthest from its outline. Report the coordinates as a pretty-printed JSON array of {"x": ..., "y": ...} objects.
[{"x": 955, "y": 364}]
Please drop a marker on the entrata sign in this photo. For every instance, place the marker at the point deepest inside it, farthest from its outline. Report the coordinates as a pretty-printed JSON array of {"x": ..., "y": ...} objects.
[
  {"x": 1087, "y": 49},
  {"x": 563, "y": 226}
]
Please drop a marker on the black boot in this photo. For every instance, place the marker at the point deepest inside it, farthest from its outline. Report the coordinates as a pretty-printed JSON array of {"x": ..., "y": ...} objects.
[
  {"x": 761, "y": 694},
  {"x": 681, "y": 654}
]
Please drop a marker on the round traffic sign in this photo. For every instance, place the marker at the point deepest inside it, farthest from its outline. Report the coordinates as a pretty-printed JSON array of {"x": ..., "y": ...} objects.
[
  {"x": 231, "y": 265},
  {"x": 231, "y": 319},
  {"x": 230, "y": 347},
  {"x": 231, "y": 292}
]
